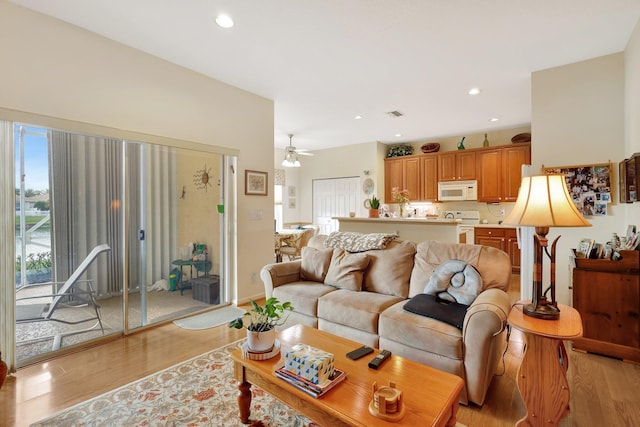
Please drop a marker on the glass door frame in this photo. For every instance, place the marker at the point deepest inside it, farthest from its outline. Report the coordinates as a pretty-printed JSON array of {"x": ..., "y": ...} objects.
[{"x": 228, "y": 243}]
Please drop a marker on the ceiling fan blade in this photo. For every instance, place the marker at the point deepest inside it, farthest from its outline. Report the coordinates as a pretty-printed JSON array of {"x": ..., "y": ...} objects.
[{"x": 304, "y": 153}]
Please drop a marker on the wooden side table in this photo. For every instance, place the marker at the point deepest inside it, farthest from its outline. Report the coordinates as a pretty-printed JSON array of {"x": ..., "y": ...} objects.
[{"x": 542, "y": 376}]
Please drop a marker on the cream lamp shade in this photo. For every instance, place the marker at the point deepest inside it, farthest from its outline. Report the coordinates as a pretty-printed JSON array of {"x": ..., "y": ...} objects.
[{"x": 544, "y": 201}]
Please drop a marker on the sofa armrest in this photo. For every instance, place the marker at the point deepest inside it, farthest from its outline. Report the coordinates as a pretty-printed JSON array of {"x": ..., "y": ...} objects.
[
  {"x": 274, "y": 275},
  {"x": 483, "y": 340}
]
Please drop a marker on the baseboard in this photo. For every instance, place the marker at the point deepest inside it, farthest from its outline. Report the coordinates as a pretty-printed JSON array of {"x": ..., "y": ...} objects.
[{"x": 246, "y": 300}]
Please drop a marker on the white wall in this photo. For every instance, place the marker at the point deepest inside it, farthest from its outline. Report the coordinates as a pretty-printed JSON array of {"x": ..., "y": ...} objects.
[
  {"x": 632, "y": 110},
  {"x": 578, "y": 118},
  {"x": 55, "y": 69},
  {"x": 340, "y": 162}
]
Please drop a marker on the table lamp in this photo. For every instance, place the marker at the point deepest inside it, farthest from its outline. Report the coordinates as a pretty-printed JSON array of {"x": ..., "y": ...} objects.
[{"x": 543, "y": 202}]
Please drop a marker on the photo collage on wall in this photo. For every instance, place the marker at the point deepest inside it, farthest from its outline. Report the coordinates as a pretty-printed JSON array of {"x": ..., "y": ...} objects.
[{"x": 589, "y": 187}]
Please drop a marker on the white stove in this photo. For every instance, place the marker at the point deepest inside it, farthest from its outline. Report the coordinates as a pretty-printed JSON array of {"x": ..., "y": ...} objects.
[{"x": 464, "y": 217}]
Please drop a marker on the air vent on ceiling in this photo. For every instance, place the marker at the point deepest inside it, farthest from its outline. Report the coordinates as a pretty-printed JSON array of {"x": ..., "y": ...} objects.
[{"x": 395, "y": 113}]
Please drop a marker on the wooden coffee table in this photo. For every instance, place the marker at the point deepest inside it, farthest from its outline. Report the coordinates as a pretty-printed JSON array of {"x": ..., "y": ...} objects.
[{"x": 430, "y": 396}]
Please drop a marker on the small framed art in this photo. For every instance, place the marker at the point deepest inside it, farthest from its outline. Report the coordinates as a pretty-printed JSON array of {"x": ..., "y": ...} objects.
[{"x": 255, "y": 183}]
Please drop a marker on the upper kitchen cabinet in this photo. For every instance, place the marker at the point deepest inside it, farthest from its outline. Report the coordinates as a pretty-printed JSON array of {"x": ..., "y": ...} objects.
[
  {"x": 499, "y": 172},
  {"x": 513, "y": 157},
  {"x": 404, "y": 173},
  {"x": 457, "y": 166},
  {"x": 429, "y": 177},
  {"x": 489, "y": 165}
]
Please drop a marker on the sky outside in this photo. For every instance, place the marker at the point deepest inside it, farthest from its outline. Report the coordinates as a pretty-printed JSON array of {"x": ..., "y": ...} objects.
[{"x": 35, "y": 158}]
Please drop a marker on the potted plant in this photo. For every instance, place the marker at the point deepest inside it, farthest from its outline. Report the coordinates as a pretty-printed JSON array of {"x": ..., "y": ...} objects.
[
  {"x": 374, "y": 206},
  {"x": 261, "y": 322}
]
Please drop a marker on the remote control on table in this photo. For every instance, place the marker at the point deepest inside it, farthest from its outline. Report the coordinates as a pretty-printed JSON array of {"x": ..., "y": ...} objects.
[
  {"x": 359, "y": 352},
  {"x": 381, "y": 357}
]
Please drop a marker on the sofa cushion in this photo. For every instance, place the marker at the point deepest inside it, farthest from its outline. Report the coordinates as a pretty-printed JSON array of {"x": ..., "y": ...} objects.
[
  {"x": 455, "y": 281},
  {"x": 436, "y": 308},
  {"x": 421, "y": 332},
  {"x": 493, "y": 264},
  {"x": 358, "y": 242},
  {"x": 390, "y": 269},
  {"x": 359, "y": 310},
  {"x": 303, "y": 295},
  {"x": 315, "y": 263},
  {"x": 346, "y": 270}
]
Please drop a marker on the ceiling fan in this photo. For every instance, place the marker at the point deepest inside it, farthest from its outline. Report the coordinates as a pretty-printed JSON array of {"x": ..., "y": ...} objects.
[{"x": 291, "y": 155}]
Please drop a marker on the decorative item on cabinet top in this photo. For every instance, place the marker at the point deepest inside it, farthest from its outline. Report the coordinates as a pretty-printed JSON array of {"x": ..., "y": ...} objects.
[
  {"x": 521, "y": 137},
  {"x": 431, "y": 147},
  {"x": 400, "y": 150}
]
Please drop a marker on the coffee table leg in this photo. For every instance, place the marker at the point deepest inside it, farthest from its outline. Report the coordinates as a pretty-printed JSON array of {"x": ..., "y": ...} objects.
[
  {"x": 244, "y": 401},
  {"x": 454, "y": 411}
]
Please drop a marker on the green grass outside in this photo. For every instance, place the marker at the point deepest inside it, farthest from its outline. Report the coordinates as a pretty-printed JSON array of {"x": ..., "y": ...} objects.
[{"x": 31, "y": 221}]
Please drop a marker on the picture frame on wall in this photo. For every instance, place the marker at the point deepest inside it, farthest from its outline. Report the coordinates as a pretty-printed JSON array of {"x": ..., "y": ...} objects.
[{"x": 256, "y": 183}]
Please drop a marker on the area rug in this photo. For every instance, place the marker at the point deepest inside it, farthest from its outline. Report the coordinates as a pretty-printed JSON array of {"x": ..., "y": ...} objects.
[
  {"x": 210, "y": 319},
  {"x": 198, "y": 392}
]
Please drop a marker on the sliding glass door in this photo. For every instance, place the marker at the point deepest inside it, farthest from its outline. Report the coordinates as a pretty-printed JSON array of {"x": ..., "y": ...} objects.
[
  {"x": 174, "y": 230},
  {"x": 69, "y": 260},
  {"x": 111, "y": 236}
]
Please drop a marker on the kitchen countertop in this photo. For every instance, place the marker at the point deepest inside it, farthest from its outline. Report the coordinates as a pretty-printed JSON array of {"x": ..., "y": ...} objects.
[
  {"x": 433, "y": 221},
  {"x": 494, "y": 226},
  {"x": 438, "y": 221}
]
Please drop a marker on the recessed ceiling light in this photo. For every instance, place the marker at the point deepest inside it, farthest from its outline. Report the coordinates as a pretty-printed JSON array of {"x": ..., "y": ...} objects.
[
  {"x": 494, "y": 119},
  {"x": 474, "y": 91},
  {"x": 398, "y": 135},
  {"x": 357, "y": 117},
  {"x": 224, "y": 21}
]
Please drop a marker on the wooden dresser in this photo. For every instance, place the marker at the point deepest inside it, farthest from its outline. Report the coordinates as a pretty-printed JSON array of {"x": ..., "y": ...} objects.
[{"x": 607, "y": 296}]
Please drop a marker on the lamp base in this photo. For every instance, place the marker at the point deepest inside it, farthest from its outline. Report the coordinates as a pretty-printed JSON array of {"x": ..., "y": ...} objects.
[{"x": 543, "y": 310}]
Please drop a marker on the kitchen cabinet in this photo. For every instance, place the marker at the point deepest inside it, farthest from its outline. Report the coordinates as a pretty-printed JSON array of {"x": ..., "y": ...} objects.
[
  {"x": 502, "y": 238},
  {"x": 404, "y": 173},
  {"x": 513, "y": 157},
  {"x": 513, "y": 249},
  {"x": 607, "y": 296},
  {"x": 499, "y": 172},
  {"x": 429, "y": 177},
  {"x": 457, "y": 165},
  {"x": 489, "y": 172}
]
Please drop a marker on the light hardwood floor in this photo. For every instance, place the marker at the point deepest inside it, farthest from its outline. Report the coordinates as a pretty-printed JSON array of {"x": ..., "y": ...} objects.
[{"x": 604, "y": 391}]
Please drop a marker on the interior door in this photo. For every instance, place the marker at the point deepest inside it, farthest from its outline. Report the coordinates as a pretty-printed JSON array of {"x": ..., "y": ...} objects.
[{"x": 334, "y": 197}]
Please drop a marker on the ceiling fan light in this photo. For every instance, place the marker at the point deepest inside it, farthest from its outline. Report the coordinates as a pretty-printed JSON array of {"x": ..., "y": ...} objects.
[{"x": 290, "y": 160}]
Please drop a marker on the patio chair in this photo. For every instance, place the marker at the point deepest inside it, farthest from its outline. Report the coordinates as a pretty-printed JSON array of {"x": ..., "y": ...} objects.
[{"x": 70, "y": 290}]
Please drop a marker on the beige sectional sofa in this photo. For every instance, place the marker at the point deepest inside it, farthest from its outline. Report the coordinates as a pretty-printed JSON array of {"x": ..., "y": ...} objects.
[{"x": 360, "y": 296}]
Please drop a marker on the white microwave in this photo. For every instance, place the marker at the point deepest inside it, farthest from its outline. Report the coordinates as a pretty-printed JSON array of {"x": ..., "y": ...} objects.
[{"x": 457, "y": 190}]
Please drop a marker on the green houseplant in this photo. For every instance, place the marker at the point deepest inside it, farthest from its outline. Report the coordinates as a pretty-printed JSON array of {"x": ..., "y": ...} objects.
[
  {"x": 374, "y": 206},
  {"x": 261, "y": 321}
]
